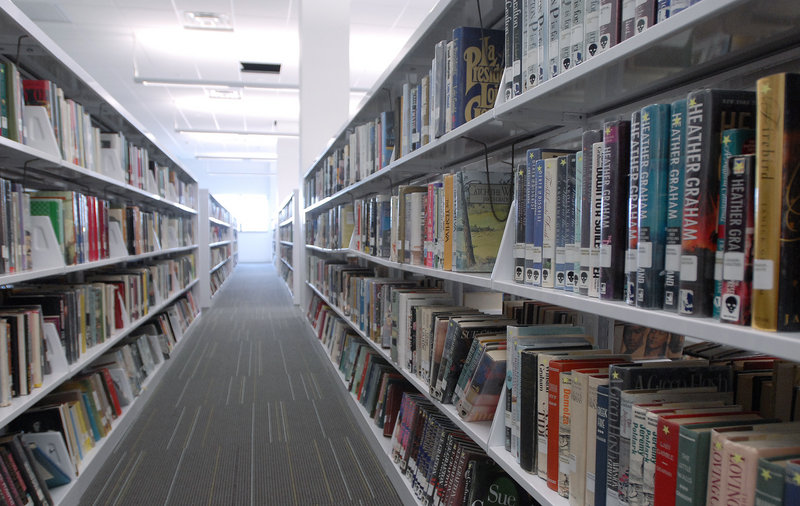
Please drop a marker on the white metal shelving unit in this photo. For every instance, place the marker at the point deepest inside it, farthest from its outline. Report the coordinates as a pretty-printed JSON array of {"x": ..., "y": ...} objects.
[{"x": 707, "y": 45}]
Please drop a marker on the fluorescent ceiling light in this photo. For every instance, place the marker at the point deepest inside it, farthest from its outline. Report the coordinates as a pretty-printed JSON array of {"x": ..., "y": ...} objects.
[
  {"x": 201, "y": 83},
  {"x": 236, "y": 132},
  {"x": 207, "y": 21},
  {"x": 224, "y": 93},
  {"x": 241, "y": 173}
]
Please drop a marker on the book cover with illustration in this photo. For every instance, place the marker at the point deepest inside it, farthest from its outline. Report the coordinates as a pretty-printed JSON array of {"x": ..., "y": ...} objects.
[
  {"x": 484, "y": 201},
  {"x": 478, "y": 69}
]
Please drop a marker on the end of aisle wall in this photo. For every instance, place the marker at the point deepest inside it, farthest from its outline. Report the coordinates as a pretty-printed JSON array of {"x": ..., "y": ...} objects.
[{"x": 255, "y": 247}]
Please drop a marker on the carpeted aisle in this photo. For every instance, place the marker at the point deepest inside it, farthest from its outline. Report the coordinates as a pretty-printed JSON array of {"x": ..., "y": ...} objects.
[{"x": 247, "y": 414}]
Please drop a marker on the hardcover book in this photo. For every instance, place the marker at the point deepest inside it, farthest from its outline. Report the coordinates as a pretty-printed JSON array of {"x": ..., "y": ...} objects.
[
  {"x": 616, "y": 159},
  {"x": 478, "y": 69},
  {"x": 709, "y": 112},
  {"x": 653, "y": 187},
  {"x": 672, "y": 250},
  {"x": 631, "y": 258},
  {"x": 776, "y": 295},
  {"x": 590, "y": 137}
]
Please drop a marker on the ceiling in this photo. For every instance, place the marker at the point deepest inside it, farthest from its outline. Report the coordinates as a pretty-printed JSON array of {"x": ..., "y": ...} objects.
[{"x": 122, "y": 43}]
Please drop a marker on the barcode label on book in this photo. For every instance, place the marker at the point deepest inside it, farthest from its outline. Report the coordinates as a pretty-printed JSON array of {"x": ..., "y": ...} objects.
[
  {"x": 645, "y": 255},
  {"x": 590, "y": 482},
  {"x": 519, "y": 250},
  {"x": 585, "y": 256},
  {"x": 733, "y": 266},
  {"x": 688, "y": 268},
  {"x": 537, "y": 254},
  {"x": 762, "y": 274},
  {"x": 672, "y": 260},
  {"x": 605, "y": 256},
  {"x": 630, "y": 260},
  {"x": 572, "y": 253},
  {"x": 719, "y": 258}
]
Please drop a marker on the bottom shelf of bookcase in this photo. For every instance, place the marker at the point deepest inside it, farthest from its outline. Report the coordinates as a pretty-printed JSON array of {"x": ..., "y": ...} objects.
[
  {"x": 70, "y": 494},
  {"x": 532, "y": 484},
  {"x": 385, "y": 443}
]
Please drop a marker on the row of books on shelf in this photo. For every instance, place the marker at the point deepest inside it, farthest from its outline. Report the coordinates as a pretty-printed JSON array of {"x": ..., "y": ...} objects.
[
  {"x": 219, "y": 276},
  {"x": 220, "y": 253},
  {"x": 218, "y": 233},
  {"x": 217, "y": 211},
  {"x": 287, "y": 275},
  {"x": 45, "y": 327},
  {"x": 48, "y": 444},
  {"x": 81, "y": 143},
  {"x": 454, "y": 223},
  {"x": 287, "y": 211},
  {"x": 671, "y": 209},
  {"x": 540, "y": 40},
  {"x": 443, "y": 465},
  {"x": 285, "y": 233},
  {"x": 546, "y": 38},
  {"x": 557, "y": 423},
  {"x": 461, "y": 84}
]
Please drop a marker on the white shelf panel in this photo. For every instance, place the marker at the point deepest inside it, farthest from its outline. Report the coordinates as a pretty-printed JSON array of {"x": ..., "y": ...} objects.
[
  {"x": 52, "y": 381},
  {"x": 286, "y": 222},
  {"x": 39, "y": 169},
  {"x": 216, "y": 267},
  {"x": 219, "y": 222},
  {"x": 318, "y": 249},
  {"x": 534, "y": 485},
  {"x": 384, "y": 442},
  {"x": 781, "y": 344},
  {"x": 287, "y": 243},
  {"x": 19, "y": 277},
  {"x": 287, "y": 264},
  {"x": 96, "y": 456},
  {"x": 219, "y": 243},
  {"x": 477, "y": 431},
  {"x": 480, "y": 279}
]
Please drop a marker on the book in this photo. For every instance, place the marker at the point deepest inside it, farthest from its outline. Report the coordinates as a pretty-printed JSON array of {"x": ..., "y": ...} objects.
[
  {"x": 709, "y": 112},
  {"x": 550, "y": 220},
  {"x": 478, "y": 68},
  {"x": 521, "y": 202},
  {"x": 734, "y": 142},
  {"x": 770, "y": 478},
  {"x": 609, "y": 29},
  {"x": 596, "y": 490},
  {"x": 631, "y": 257},
  {"x": 791, "y": 491},
  {"x": 672, "y": 249},
  {"x": 652, "y": 216},
  {"x": 588, "y": 139},
  {"x": 737, "y": 264},
  {"x": 616, "y": 164},
  {"x": 775, "y": 297}
]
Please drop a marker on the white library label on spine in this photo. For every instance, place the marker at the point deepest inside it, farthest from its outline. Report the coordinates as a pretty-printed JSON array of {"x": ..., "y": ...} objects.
[
  {"x": 606, "y": 254},
  {"x": 645, "y": 258},
  {"x": 762, "y": 274},
  {"x": 733, "y": 266},
  {"x": 672, "y": 258},
  {"x": 688, "y": 268}
]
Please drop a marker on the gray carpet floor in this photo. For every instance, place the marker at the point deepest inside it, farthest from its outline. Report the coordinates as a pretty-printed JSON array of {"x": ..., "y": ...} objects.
[{"x": 247, "y": 414}]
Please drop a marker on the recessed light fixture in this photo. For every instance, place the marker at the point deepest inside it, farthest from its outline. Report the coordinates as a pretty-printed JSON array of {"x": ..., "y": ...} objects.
[
  {"x": 224, "y": 93},
  {"x": 244, "y": 156},
  {"x": 262, "y": 68},
  {"x": 196, "y": 20}
]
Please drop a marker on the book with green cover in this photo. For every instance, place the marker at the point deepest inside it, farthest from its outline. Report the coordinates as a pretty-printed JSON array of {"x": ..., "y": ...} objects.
[
  {"x": 53, "y": 209},
  {"x": 770, "y": 480},
  {"x": 479, "y": 217}
]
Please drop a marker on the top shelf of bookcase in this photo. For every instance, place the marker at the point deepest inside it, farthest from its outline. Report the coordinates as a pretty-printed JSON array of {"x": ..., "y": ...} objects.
[
  {"x": 706, "y": 45},
  {"x": 42, "y": 57}
]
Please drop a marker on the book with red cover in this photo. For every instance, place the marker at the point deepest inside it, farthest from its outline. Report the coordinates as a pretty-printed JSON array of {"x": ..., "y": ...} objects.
[
  {"x": 553, "y": 391},
  {"x": 108, "y": 382}
]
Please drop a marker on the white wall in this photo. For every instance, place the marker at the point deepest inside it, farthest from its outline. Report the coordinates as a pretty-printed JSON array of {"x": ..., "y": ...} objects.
[{"x": 255, "y": 247}]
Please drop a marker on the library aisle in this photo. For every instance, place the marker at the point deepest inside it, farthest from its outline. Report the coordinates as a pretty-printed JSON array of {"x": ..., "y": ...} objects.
[{"x": 247, "y": 414}]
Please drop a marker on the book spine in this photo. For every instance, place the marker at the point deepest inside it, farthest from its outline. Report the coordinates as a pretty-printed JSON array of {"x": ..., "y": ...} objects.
[
  {"x": 596, "y": 218},
  {"x": 516, "y": 47},
  {"x": 709, "y": 112},
  {"x": 577, "y": 36},
  {"x": 631, "y": 258},
  {"x": 672, "y": 255},
  {"x": 553, "y": 11},
  {"x": 508, "y": 30},
  {"x": 609, "y": 24},
  {"x": 530, "y": 45},
  {"x": 538, "y": 222},
  {"x": 565, "y": 36},
  {"x": 564, "y": 437},
  {"x": 550, "y": 221},
  {"x": 521, "y": 194},
  {"x": 737, "y": 264},
  {"x": 527, "y": 412},
  {"x": 734, "y": 142},
  {"x": 601, "y": 451},
  {"x": 666, "y": 461},
  {"x": 770, "y": 479},
  {"x": 645, "y": 15},
  {"x": 553, "y": 416},
  {"x": 562, "y": 218},
  {"x": 616, "y": 158},
  {"x": 542, "y": 40},
  {"x": 591, "y": 30},
  {"x": 653, "y": 187},
  {"x": 791, "y": 491},
  {"x": 589, "y": 138},
  {"x": 574, "y": 267},
  {"x": 448, "y": 221},
  {"x": 627, "y": 27}
]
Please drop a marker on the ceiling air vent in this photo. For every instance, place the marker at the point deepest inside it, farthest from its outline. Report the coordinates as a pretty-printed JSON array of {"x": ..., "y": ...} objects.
[{"x": 264, "y": 68}]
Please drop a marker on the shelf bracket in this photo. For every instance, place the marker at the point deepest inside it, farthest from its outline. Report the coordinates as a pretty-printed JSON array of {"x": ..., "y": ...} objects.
[{"x": 488, "y": 181}]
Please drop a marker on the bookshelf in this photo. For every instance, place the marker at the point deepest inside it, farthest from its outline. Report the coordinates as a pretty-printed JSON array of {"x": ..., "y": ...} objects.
[
  {"x": 219, "y": 259},
  {"x": 706, "y": 45},
  {"x": 287, "y": 253},
  {"x": 141, "y": 222}
]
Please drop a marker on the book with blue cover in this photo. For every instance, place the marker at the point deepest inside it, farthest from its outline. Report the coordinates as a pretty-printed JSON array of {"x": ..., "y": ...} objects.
[
  {"x": 672, "y": 249},
  {"x": 478, "y": 69}
]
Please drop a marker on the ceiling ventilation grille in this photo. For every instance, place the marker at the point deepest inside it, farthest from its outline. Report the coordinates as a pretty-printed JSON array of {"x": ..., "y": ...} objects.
[
  {"x": 263, "y": 68},
  {"x": 207, "y": 21}
]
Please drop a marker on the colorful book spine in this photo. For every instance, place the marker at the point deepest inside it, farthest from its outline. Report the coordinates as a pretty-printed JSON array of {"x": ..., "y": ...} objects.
[
  {"x": 590, "y": 137},
  {"x": 596, "y": 218},
  {"x": 601, "y": 451},
  {"x": 616, "y": 161},
  {"x": 549, "y": 222},
  {"x": 610, "y": 14},
  {"x": 653, "y": 188},
  {"x": 574, "y": 252},
  {"x": 791, "y": 490},
  {"x": 562, "y": 214},
  {"x": 737, "y": 264},
  {"x": 479, "y": 52},
  {"x": 735, "y": 142},
  {"x": 538, "y": 222},
  {"x": 521, "y": 195},
  {"x": 776, "y": 291},
  {"x": 672, "y": 256},
  {"x": 631, "y": 258},
  {"x": 532, "y": 212},
  {"x": 709, "y": 112}
]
